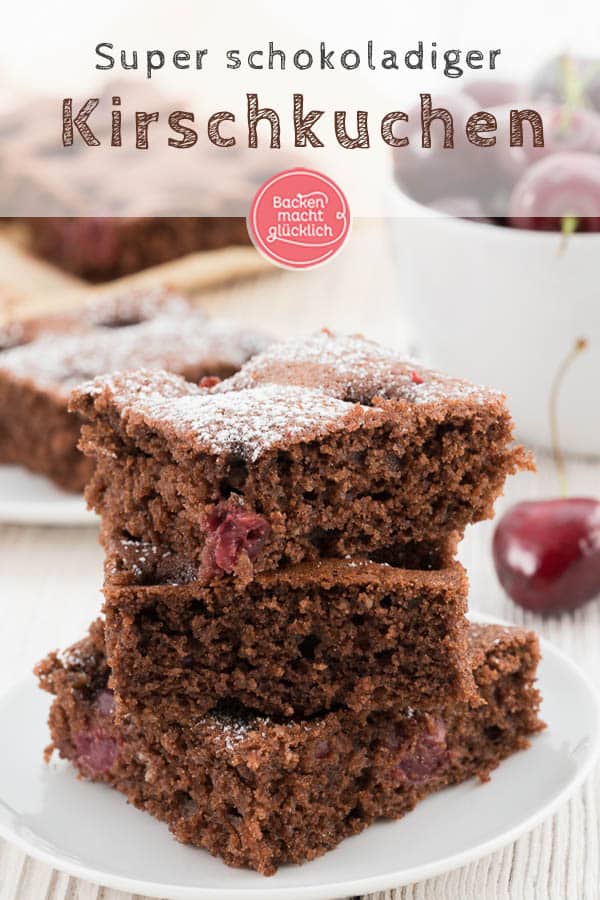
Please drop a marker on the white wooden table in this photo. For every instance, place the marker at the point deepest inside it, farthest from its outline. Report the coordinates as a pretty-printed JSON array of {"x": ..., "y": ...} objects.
[{"x": 50, "y": 580}]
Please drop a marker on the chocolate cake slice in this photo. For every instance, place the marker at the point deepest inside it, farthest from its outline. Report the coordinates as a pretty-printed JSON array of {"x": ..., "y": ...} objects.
[
  {"x": 323, "y": 447},
  {"x": 42, "y": 359},
  {"x": 300, "y": 641},
  {"x": 258, "y": 791},
  {"x": 144, "y": 206},
  {"x": 102, "y": 248}
]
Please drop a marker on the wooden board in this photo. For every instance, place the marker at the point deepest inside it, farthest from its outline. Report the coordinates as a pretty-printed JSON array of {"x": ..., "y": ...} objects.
[{"x": 30, "y": 286}]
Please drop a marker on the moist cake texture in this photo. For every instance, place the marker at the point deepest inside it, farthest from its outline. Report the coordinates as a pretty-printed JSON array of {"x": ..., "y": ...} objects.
[
  {"x": 325, "y": 447},
  {"x": 41, "y": 360},
  {"x": 300, "y": 641},
  {"x": 261, "y": 792}
]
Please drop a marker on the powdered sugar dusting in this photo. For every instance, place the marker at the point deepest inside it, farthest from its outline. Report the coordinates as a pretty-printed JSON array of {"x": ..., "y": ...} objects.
[
  {"x": 233, "y": 728},
  {"x": 486, "y": 639},
  {"x": 79, "y": 656},
  {"x": 135, "y": 305},
  {"x": 139, "y": 331},
  {"x": 146, "y": 563},
  {"x": 352, "y": 368},
  {"x": 245, "y": 422}
]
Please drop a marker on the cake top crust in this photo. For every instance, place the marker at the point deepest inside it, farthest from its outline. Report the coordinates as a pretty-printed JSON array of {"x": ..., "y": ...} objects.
[
  {"x": 490, "y": 642},
  {"x": 354, "y": 369},
  {"x": 138, "y": 329},
  {"x": 297, "y": 391},
  {"x": 244, "y": 423}
]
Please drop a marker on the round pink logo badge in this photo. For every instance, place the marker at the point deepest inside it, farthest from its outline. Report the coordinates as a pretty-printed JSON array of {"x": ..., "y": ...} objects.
[{"x": 299, "y": 218}]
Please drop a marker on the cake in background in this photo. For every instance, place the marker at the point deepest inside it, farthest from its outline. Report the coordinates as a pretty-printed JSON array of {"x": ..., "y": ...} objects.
[
  {"x": 105, "y": 212},
  {"x": 43, "y": 359}
]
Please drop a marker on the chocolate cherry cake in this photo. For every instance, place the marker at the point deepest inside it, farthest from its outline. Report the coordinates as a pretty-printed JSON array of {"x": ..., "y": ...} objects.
[
  {"x": 296, "y": 642},
  {"x": 260, "y": 791},
  {"x": 324, "y": 447}
]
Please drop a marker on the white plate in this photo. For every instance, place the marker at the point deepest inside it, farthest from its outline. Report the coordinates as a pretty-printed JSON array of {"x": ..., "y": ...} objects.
[
  {"x": 90, "y": 832},
  {"x": 27, "y": 499}
]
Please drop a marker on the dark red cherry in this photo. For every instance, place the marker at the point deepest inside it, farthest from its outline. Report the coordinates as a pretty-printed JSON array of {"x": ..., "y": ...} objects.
[
  {"x": 547, "y": 553},
  {"x": 563, "y": 186},
  {"x": 565, "y": 131},
  {"x": 208, "y": 381},
  {"x": 231, "y": 531},
  {"x": 428, "y": 173},
  {"x": 424, "y": 756},
  {"x": 96, "y": 751},
  {"x": 105, "y": 702}
]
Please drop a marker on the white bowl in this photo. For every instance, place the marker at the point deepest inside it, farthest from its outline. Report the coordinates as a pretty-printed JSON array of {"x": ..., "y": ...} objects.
[{"x": 503, "y": 307}]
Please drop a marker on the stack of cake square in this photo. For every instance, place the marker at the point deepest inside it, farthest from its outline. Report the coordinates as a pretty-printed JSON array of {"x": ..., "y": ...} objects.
[{"x": 284, "y": 655}]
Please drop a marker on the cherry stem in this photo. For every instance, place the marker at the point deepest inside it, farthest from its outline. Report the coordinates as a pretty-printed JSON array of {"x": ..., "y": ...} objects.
[
  {"x": 572, "y": 89},
  {"x": 568, "y": 226},
  {"x": 580, "y": 345}
]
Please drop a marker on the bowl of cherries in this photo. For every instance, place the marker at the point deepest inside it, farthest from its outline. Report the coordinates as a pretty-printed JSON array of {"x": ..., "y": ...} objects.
[{"x": 499, "y": 249}]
